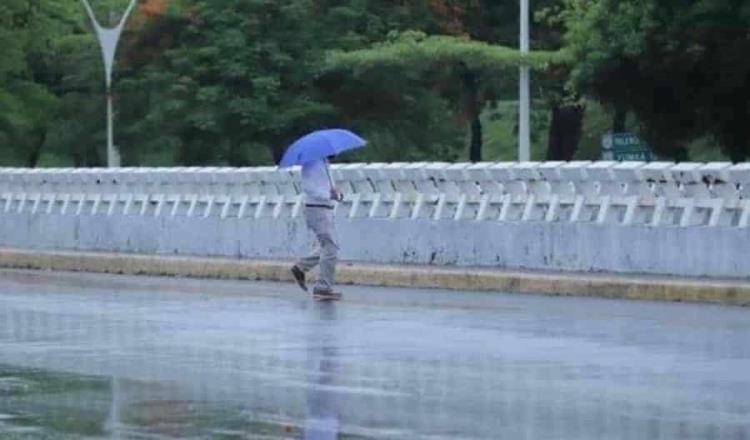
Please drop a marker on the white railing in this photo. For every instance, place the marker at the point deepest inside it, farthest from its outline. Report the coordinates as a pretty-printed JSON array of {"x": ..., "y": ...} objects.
[{"x": 625, "y": 193}]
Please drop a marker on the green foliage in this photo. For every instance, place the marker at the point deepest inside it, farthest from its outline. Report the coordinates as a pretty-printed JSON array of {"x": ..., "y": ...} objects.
[
  {"x": 680, "y": 66},
  {"x": 12, "y": 55},
  {"x": 236, "y": 87},
  {"x": 31, "y": 73},
  {"x": 416, "y": 50},
  {"x": 459, "y": 67},
  {"x": 235, "y": 81}
]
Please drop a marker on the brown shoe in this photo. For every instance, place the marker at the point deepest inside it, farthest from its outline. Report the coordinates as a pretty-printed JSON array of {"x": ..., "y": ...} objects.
[{"x": 299, "y": 276}]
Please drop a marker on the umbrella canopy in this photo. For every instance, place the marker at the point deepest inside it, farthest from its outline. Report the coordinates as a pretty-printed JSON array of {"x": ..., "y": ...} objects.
[{"x": 320, "y": 144}]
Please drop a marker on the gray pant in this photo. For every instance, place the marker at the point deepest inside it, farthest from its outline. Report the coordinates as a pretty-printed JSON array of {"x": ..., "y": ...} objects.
[{"x": 320, "y": 222}]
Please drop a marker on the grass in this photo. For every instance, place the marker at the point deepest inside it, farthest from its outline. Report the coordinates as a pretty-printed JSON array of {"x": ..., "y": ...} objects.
[{"x": 500, "y": 132}]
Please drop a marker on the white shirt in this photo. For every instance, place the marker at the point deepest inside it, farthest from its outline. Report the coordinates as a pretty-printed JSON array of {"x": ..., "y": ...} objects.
[{"x": 316, "y": 183}]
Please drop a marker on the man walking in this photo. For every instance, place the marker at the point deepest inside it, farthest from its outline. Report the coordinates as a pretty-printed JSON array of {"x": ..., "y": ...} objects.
[{"x": 320, "y": 195}]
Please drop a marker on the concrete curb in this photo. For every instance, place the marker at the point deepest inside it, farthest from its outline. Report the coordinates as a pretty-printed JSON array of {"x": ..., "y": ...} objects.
[{"x": 729, "y": 292}]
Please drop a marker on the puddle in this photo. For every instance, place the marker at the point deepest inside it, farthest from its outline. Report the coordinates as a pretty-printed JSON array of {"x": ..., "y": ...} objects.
[
  {"x": 42, "y": 404},
  {"x": 10, "y": 386}
]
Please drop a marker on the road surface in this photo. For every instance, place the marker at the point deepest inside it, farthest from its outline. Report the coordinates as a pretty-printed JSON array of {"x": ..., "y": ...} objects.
[{"x": 136, "y": 357}]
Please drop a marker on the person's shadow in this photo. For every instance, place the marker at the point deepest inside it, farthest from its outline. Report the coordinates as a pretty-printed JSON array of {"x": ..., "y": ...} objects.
[{"x": 322, "y": 422}]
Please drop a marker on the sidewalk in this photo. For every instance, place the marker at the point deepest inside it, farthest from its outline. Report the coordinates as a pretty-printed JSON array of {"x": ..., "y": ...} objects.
[{"x": 729, "y": 292}]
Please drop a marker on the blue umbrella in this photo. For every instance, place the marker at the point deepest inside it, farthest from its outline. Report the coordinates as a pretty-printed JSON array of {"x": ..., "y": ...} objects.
[{"x": 320, "y": 144}]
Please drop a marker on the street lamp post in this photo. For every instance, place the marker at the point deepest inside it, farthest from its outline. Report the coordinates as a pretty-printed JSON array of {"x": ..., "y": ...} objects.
[
  {"x": 108, "y": 39},
  {"x": 524, "y": 134}
]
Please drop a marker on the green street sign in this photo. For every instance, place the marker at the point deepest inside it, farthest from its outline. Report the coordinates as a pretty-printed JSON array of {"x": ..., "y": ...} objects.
[{"x": 625, "y": 147}]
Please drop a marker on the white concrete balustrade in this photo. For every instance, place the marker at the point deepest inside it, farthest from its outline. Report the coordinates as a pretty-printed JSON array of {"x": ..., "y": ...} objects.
[
  {"x": 687, "y": 219},
  {"x": 622, "y": 193}
]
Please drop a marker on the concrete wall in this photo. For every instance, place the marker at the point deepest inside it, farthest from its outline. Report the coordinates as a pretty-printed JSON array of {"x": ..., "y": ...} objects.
[
  {"x": 687, "y": 219},
  {"x": 693, "y": 251}
]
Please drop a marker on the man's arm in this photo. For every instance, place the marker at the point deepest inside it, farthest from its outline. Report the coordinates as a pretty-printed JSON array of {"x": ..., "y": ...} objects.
[{"x": 335, "y": 193}]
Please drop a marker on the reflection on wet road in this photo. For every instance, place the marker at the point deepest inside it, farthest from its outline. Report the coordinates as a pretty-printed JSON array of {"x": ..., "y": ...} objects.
[{"x": 127, "y": 357}]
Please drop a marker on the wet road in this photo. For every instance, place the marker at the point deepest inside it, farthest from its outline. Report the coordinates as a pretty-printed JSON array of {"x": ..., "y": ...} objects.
[{"x": 127, "y": 357}]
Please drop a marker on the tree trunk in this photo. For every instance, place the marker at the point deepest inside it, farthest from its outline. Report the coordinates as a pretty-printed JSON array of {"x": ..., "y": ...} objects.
[
  {"x": 277, "y": 152},
  {"x": 735, "y": 133},
  {"x": 475, "y": 149},
  {"x": 619, "y": 120},
  {"x": 471, "y": 87},
  {"x": 235, "y": 154},
  {"x": 737, "y": 154},
  {"x": 565, "y": 131},
  {"x": 77, "y": 160},
  {"x": 36, "y": 148}
]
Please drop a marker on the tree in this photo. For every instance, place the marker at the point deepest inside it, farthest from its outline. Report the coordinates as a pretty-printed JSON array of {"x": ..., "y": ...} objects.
[
  {"x": 25, "y": 104},
  {"x": 235, "y": 85},
  {"x": 235, "y": 81},
  {"x": 679, "y": 66},
  {"x": 496, "y": 23},
  {"x": 417, "y": 52}
]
